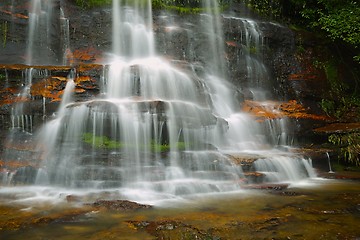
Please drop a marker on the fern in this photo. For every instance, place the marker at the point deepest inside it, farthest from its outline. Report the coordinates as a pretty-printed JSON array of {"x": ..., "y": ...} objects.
[{"x": 349, "y": 144}]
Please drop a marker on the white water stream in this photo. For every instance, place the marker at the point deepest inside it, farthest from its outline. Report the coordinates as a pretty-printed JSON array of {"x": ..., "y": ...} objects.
[{"x": 47, "y": 26}]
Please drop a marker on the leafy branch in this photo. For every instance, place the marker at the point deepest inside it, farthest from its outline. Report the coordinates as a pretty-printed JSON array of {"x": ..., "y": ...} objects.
[{"x": 349, "y": 144}]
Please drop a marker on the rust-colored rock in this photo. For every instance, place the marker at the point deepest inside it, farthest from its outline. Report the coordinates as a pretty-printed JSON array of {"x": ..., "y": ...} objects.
[
  {"x": 51, "y": 88},
  {"x": 12, "y": 165},
  {"x": 254, "y": 174},
  {"x": 243, "y": 159},
  {"x": 14, "y": 15},
  {"x": 84, "y": 55},
  {"x": 274, "y": 110},
  {"x": 339, "y": 128},
  {"x": 345, "y": 175}
]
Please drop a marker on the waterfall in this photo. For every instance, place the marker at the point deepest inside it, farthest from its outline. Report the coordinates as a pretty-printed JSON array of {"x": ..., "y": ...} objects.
[
  {"x": 19, "y": 119},
  {"x": 153, "y": 124},
  {"x": 34, "y": 15},
  {"x": 160, "y": 131},
  {"x": 329, "y": 162},
  {"x": 132, "y": 28},
  {"x": 65, "y": 28},
  {"x": 284, "y": 168},
  {"x": 48, "y": 33}
]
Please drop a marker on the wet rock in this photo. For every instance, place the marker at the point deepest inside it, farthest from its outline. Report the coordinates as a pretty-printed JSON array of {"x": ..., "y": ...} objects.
[
  {"x": 25, "y": 175},
  {"x": 41, "y": 100},
  {"x": 319, "y": 156},
  {"x": 254, "y": 177},
  {"x": 344, "y": 175},
  {"x": 267, "y": 186},
  {"x": 119, "y": 205},
  {"x": 73, "y": 198},
  {"x": 243, "y": 159},
  {"x": 170, "y": 229},
  {"x": 187, "y": 116},
  {"x": 273, "y": 110},
  {"x": 270, "y": 224},
  {"x": 27, "y": 219},
  {"x": 179, "y": 37},
  {"x": 287, "y": 193},
  {"x": 338, "y": 128},
  {"x": 56, "y": 42}
]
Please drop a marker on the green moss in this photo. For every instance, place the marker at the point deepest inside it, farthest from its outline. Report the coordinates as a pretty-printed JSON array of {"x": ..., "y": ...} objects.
[
  {"x": 101, "y": 141},
  {"x": 156, "y": 147},
  {"x": 183, "y": 10}
]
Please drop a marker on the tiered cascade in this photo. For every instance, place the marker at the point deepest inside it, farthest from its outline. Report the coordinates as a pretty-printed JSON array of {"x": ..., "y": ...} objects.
[{"x": 158, "y": 130}]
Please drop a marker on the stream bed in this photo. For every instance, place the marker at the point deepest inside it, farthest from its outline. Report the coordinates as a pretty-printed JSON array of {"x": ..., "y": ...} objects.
[{"x": 315, "y": 209}]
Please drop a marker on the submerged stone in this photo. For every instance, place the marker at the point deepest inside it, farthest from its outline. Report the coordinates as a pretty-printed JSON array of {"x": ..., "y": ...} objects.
[
  {"x": 171, "y": 229},
  {"x": 119, "y": 205}
]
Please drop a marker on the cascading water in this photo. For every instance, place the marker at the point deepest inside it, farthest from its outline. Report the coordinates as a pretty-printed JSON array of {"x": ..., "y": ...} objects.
[
  {"x": 256, "y": 85},
  {"x": 48, "y": 33},
  {"x": 65, "y": 29},
  {"x": 18, "y": 118},
  {"x": 158, "y": 132},
  {"x": 244, "y": 133},
  {"x": 21, "y": 129},
  {"x": 33, "y": 23},
  {"x": 45, "y": 22},
  {"x": 329, "y": 162},
  {"x": 149, "y": 106}
]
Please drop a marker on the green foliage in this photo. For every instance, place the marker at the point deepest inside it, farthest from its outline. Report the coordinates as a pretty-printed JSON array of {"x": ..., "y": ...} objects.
[
  {"x": 180, "y": 6},
  {"x": 342, "y": 25},
  {"x": 339, "y": 167},
  {"x": 182, "y": 3},
  {"x": 338, "y": 19},
  {"x": 266, "y": 7},
  {"x": 357, "y": 58},
  {"x": 335, "y": 109},
  {"x": 349, "y": 144},
  {"x": 339, "y": 101},
  {"x": 185, "y": 6},
  {"x": 336, "y": 85},
  {"x": 92, "y": 3},
  {"x": 328, "y": 106},
  {"x": 183, "y": 10},
  {"x": 340, "y": 108}
]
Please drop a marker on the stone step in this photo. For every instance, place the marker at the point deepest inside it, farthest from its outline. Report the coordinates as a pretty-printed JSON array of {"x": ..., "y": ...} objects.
[
  {"x": 149, "y": 173},
  {"x": 186, "y": 114},
  {"x": 254, "y": 177}
]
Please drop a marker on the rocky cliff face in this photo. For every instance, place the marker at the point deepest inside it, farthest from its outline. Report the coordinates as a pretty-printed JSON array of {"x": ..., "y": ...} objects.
[{"x": 178, "y": 37}]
